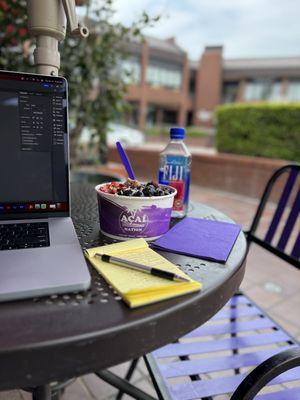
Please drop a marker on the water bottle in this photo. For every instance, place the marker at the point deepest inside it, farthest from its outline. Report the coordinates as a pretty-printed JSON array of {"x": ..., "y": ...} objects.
[{"x": 174, "y": 170}]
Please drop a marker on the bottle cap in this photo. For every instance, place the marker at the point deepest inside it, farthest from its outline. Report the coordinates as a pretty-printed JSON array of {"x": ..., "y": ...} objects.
[{"x": 177, "y": 133}]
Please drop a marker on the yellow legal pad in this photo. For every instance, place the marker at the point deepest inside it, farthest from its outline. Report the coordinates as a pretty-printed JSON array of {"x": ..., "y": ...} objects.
[{"x": 135, "y": 287}]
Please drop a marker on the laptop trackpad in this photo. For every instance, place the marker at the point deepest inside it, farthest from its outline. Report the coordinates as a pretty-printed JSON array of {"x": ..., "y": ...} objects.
[{"x": 62, "y": 231}]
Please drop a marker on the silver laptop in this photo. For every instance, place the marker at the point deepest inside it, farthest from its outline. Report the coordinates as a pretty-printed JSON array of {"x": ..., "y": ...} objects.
[{"x": 39, "y": 250}]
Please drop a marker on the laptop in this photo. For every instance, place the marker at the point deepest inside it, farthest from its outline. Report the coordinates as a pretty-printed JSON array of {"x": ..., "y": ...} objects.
[{"x": 39, "y": 250}]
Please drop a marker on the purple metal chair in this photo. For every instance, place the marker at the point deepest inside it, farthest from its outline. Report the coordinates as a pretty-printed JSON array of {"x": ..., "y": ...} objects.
[
  {"x": 213, "y": 361},
  {"x": 241, "y": 328}
]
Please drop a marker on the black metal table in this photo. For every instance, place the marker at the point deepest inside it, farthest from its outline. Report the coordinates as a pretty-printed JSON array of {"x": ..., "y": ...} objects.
[{"x": 59, "y": 337}]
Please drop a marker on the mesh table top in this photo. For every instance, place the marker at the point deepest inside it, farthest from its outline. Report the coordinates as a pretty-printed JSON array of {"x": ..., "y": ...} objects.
[{"x": 61, "y": 336}]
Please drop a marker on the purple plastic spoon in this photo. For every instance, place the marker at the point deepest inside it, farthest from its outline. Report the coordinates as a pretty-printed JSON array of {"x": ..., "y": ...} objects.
[{"x": 125, "y": 160}]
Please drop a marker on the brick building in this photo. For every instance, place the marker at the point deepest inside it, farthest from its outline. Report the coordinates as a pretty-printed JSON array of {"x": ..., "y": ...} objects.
[{"x": 168, "y": 88}]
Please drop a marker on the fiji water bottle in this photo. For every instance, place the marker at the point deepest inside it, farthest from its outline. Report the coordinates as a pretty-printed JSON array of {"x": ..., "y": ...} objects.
[{"x": 174, "y": 170}]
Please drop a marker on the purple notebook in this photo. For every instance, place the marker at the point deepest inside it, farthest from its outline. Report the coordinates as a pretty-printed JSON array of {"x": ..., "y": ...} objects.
[{"x": 211, "y": 240}]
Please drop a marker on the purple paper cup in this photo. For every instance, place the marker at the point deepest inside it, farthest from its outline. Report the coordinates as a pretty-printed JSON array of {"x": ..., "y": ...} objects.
[{"x": 124, "y": 217}]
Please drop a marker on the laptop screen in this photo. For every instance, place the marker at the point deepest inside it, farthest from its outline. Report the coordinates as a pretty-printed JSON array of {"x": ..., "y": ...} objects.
[{"x": 33, "y": 145}]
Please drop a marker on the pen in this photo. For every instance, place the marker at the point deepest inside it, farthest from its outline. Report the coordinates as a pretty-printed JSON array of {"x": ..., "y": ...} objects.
[{"x": 141, "y": 267}]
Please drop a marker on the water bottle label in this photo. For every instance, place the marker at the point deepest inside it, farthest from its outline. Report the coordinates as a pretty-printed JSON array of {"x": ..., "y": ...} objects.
[{"x": 175, "y": 173}]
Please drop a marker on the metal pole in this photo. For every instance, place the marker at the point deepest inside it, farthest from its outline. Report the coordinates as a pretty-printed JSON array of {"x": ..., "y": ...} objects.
[
  {"x": 47, "y": 21},
  {"x": 123, "y": 386},
  {"x": 42, "y": 393}
]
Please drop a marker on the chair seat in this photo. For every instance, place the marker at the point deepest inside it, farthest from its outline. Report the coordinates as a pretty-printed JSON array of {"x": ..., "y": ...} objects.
[{"x": 214, "y": 358}]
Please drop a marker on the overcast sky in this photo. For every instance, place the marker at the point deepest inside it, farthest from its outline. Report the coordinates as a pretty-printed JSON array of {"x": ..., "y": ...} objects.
[{"x": 246, "y": 28}]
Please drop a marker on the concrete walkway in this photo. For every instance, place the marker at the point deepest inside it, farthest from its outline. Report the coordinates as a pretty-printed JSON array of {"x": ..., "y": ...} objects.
[{"x": 273, "y": 284}]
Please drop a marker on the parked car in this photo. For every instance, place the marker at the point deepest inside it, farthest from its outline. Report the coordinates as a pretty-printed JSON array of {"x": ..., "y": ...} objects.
[
  {"x": 126, "y": 135},
  {"x": 116, "y": 132}
]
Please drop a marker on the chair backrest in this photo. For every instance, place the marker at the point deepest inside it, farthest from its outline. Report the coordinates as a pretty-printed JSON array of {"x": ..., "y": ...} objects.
[{"x": 285, "y": 217}]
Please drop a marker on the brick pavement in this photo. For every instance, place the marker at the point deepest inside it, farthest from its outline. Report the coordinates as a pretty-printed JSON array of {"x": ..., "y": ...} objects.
[{"x": 272, "y": 283}]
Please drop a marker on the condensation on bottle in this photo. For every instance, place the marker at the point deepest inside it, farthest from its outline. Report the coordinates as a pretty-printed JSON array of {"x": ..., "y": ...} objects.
[{"x": 174, "y": 170}]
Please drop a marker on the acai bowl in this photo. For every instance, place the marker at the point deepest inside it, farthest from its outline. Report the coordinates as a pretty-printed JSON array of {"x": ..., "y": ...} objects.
[{"x": 132, "y": 209}]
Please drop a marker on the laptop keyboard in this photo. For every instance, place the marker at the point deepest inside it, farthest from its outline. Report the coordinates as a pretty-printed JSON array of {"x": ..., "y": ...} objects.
[{"x": 24, "y": 236}]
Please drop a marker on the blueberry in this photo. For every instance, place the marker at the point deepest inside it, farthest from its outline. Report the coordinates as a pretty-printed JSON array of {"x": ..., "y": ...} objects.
[
  {"x": 127, "y": 192},
  {"x": 138, "y": 193},
  {"x": 152, "y": 191},
  {"x": 146, "y": 192}
]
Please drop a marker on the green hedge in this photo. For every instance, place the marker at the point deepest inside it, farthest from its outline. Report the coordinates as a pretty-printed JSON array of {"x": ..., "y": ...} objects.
[
  {"x": 154, "y": 131},
  {"x": 194, "y": 131},
  {"x": 263, "y": 130},
  {"x": 191, "y": 131}
]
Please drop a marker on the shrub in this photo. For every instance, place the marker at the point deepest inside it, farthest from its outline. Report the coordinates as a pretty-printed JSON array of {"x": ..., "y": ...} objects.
[
  {"x": 263, "y": 130},
  {"x": 191, "y": 131},
  {"x": 195, "y": 131},
  {"x": 156, "y": 131}
]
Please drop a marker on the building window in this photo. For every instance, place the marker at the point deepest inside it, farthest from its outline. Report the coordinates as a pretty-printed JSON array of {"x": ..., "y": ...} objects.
[
  {"x": 276, "y": 93},
  {"x": 293, "y": 92},
  {"x": 131, "y": 71},
  {"x": 159, "y": 116},
  {"x": 170, "y": 117},
  {"x": 192, "y": 83},
  {"x": 160, "y": 76},
  {"x": 230, "y": 90},
  {"x": 263, "y": 90}
]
